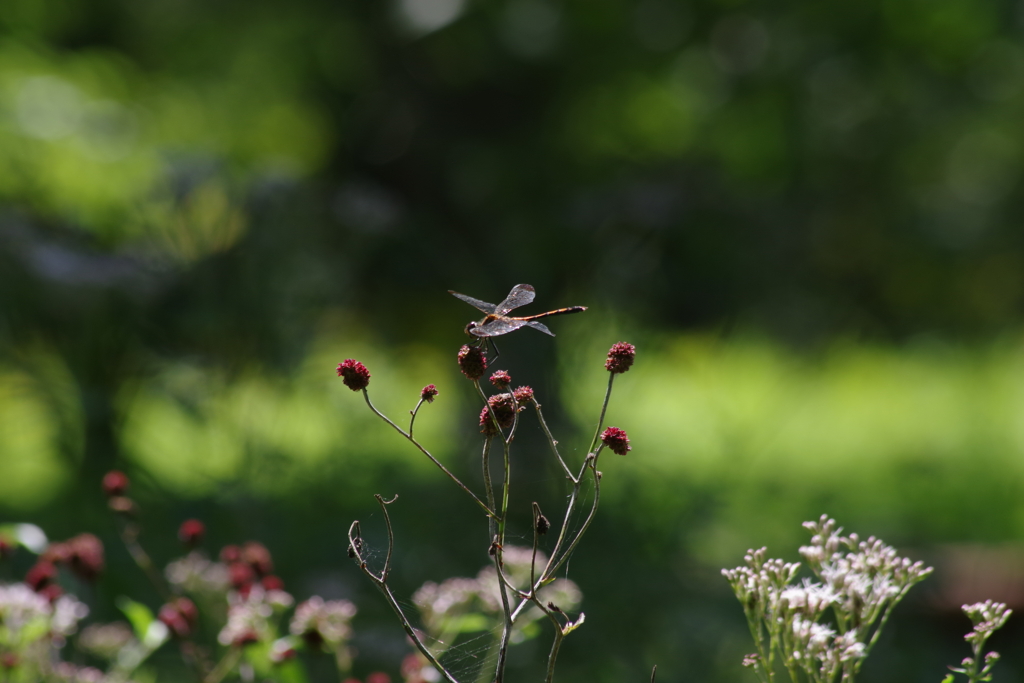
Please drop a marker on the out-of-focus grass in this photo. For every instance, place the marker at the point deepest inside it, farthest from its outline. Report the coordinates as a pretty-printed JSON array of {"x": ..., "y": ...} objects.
[
  {"x": 196, "y": 430},
  {"x": 923, "y": 443},
  {"x": 920, "y": 443}
]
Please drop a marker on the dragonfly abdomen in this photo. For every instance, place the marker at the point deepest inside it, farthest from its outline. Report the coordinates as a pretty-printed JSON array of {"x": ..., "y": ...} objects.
[{"x": 557, "y": 311}]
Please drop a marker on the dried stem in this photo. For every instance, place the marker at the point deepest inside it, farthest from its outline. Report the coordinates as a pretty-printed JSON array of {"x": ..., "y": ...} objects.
[
  {"x": 427, "y": 453},
  {"x": 355, "y": 544}
]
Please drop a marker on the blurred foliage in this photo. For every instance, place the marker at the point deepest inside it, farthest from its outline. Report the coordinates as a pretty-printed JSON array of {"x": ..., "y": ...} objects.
[{"x": 809, "y": 213}]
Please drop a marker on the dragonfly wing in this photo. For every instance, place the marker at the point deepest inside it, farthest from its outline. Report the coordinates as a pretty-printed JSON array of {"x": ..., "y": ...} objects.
[
  {"x": 498, "y": 327},
  {"x": 519, "y": 296},
  {"x": 539, "y": 326},
  {"x": 476, "y": 303}
]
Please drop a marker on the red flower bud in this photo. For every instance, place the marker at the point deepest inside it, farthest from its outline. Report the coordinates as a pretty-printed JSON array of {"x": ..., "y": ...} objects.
[
  {"x": 522, "y": 395},
  {"x": 86, "y": 557},
  {"x": 180, "y": 616},
  {"x": 191, "y": 532},
  {"x": 504, "y": 408},
  {"x": 40, "y": 575},
  {"x": 230, "y": 554},
  {"x": 616, "y": 439},
  {"x": 428, "y": 393},
  {"x": 472, "y": 361},
  {"x": 115, "y": 483},
  {"x": 51, "y": 592},
  {"x": 272, "y": 583},
  {"x": 258, "y": 557},
  {"x": 241, "y": 575},
  {"x": 354, "y": 374},
  {"x": 620, "y": 357},
  {"x": 501, "y": 379}
]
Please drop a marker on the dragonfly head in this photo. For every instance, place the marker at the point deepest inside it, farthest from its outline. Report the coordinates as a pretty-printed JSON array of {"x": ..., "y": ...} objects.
[{"x": 470, "y": 327}]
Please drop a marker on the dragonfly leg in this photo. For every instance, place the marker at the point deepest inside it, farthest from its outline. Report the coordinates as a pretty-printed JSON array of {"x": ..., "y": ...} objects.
[{"x": 493, "y": 345}]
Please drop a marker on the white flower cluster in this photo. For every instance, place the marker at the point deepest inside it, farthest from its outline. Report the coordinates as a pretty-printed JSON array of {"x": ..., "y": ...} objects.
[
  {"x": 328, "y": 620},
  {"x": 106, "y": 641},
  {"x": 867, "y": 576},
  {"x": 453, "y": 605},
  {"x": 987, "y": 617},
  {"x": 249, "y": 615},
  {"x": 198, "y": 575},
  {"x": 20, "y": 606},
  {"x": 861, "y": 581}
]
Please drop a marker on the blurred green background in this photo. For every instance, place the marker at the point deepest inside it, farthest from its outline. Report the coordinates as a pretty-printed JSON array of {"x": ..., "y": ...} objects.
[{"x": 806, "y": 216}]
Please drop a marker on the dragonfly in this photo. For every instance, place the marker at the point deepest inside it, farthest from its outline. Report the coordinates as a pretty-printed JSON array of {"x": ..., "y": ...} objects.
[{"x": 498, "y": 322}]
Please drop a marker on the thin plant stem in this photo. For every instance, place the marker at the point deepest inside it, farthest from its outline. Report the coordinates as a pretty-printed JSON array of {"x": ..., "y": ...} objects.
[
  {"x": 391, "y": 534},
  {"x": 130, "y": 537},
  {"x": 355, "y": 548},
  {"x": 427, "y": 453},
  {"x": 414, "y": 412},
  {"x": 555, "y": 646},
  {"x": 485, "y": 459},
  {"x": 503, "y": 585},
  {"x": 604, "y": 408},
  {"x": 536, "y": 542},
  {"x": 558, "y": 556},
  {"x": 551, "y": 440},
  {"x": 224, "y": 666},
  {"x": 129, "y": 532}
]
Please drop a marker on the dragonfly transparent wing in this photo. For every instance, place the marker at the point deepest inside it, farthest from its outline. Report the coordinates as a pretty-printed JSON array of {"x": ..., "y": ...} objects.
[
  {"x": 498, "y": 327},
  {"x": 475, "y": 303},
  {"x": 519, "y": 296},
  {"x": 540, "y": 326}
]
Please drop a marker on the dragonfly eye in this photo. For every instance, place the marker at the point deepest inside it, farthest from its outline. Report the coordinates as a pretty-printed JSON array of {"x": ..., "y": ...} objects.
[{"x": 470, "y": 327}]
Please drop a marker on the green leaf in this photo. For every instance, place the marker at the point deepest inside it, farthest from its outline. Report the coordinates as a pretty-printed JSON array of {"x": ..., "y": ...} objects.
[
  {"x": 138, "y": 615},
  {"x": 948, "y": 679}
]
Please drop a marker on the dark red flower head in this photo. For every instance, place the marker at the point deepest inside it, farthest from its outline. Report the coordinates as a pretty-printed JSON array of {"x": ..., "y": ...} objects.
[
  {"x": 191, "y": 532},
  {"x": 51, "y": 592},
  {"x": 57, "y": 553},
  {"x": 86, "y": 556},
  {"x": 40, "y": 575},
  {"x": 428, "y": 393},
  {"x": 354, "y": 374},
  {"x": 258, "y": 557},
  {"x": 620, "y": 357},
  {"x": 272, "y": 583},
  {"x": 378, "y": 677},
  {"x": 241, "y": 575},
  {"x": 115, "y": 483},
  {"x": 522, "y": 395},
  {"x": 504, "y": 408},
  {"x": 230, "y": 554},
  {"x": 501, "y": 379},
  {"x": 246, "y": 638},
  {"x": 472, "y": 361},
  {"x": 180, "y": 616},
  {"x": 616, "y": 439}
]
